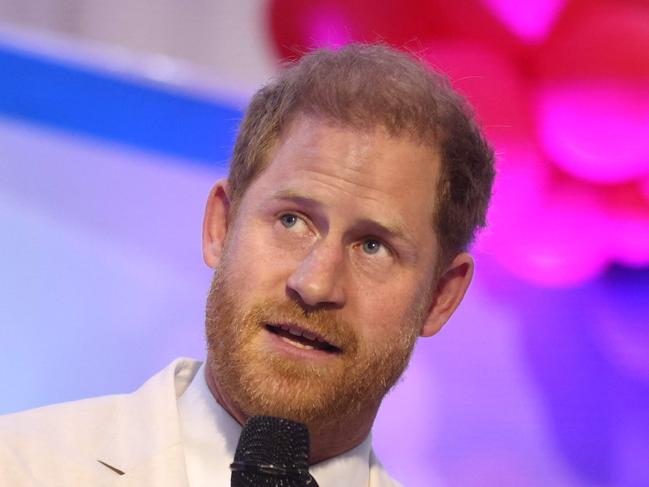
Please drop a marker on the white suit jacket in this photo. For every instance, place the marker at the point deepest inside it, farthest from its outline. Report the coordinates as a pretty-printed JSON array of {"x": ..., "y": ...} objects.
[{"x": 120, "y": 440}]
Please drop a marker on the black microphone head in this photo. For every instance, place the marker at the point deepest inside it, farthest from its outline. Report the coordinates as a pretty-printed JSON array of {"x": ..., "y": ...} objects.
[{"x": 272, "y": 452}]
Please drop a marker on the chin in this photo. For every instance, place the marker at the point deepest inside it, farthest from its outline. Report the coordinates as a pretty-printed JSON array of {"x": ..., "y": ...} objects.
[{"x": 288, "y": 390}]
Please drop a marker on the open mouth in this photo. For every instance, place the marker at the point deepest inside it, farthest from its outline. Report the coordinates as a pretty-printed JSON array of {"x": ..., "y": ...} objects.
[{"x": 301, "y": 338}]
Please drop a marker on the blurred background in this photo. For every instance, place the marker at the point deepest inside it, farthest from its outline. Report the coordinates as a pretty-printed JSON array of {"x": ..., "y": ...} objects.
[{"x": 117, "y": 117}]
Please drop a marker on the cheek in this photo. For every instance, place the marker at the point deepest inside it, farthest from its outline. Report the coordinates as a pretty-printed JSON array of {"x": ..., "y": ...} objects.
[
  {"x": 381, "y": 317},
  {"x": 253, "y": 265},
  {"x": 385, "y": 314}
]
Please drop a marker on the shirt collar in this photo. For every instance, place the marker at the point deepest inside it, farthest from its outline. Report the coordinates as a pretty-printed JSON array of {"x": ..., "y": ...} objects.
[{"x": 210, "y": 437}]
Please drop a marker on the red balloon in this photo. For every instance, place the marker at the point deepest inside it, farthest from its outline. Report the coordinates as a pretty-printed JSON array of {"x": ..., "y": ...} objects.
[
  {"x": 491, "y": 83},
  {"x": 297, "y": 25},
  {"x": 598, "y": 40}
]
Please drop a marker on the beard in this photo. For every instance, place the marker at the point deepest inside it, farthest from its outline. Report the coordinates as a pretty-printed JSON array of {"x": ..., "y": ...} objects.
[{"x": 320, "y": 394}]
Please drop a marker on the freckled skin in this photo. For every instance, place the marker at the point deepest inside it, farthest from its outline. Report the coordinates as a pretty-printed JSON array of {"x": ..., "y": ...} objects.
[{"x": 335, "y": 233}]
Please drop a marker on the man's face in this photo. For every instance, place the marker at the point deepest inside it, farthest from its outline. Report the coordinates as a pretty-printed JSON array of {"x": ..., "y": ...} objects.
[{"x": 326, "y": 276}]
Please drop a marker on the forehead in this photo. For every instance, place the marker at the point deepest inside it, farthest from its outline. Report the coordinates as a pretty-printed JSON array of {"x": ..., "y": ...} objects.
[
  {"x": 369, "y": 172},
  {"x": 367, "y": 159}
]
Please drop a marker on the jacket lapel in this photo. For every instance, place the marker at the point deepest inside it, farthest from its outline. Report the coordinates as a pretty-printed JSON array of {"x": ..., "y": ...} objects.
[{"x": 144, "y": 443}]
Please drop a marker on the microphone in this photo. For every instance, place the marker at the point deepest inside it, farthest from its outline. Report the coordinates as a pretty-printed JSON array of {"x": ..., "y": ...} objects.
[{"x": 272, "y": 452}]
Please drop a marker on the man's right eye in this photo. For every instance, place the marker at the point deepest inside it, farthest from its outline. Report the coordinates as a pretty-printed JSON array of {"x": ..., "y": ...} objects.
[{"x": 288, "y": 219}]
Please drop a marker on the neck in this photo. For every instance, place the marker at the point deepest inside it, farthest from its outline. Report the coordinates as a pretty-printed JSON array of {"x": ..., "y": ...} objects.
[{"x": 326, "y": 441}]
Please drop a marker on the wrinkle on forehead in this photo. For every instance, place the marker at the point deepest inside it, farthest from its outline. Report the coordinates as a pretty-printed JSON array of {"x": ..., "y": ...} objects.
[
  {"x": 362, "y": 160},
  {"x": 341, "y": 182}
]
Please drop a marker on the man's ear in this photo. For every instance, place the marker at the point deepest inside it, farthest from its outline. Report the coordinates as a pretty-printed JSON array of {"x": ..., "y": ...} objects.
[
  {"x": 448, "y": 293},
  {"x": 215, "y": 223}
]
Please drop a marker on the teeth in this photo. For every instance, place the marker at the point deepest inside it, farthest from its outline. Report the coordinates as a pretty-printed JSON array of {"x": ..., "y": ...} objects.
[
  {"x": 297, "y": 344},
  {"x": 309, "y": 336},
  {"x": 301, "y": 333}
]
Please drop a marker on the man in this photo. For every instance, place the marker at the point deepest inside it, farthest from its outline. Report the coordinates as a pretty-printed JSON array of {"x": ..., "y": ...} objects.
[{"x": 357, "y": 183}]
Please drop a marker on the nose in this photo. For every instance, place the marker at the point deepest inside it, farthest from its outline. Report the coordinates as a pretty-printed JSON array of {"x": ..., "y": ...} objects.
[{"x": 318, "y": 279}]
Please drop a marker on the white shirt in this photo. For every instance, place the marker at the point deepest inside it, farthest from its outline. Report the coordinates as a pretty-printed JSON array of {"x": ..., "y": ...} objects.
[{"x": 210, "y": 437}]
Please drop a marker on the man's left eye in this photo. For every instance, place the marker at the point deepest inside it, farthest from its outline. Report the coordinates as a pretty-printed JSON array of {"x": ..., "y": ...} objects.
[
  {"x": 288, "y": 219},
  {"x": 371, "y": 246}
]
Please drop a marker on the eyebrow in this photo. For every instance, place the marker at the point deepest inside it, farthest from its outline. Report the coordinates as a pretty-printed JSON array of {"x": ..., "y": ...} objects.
[
  {"x": 296, "y": 196},
  {"x": 371, "y": 226}
]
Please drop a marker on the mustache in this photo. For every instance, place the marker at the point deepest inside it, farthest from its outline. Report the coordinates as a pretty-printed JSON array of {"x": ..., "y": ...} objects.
[
  {"x": 321, "y": 322},
  {"x": 324, "y": 322}
]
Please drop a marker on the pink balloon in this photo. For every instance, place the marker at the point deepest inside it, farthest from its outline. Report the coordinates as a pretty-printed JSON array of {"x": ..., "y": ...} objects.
[
  {"x": 531, "y": 20},
  {"x": 596, "y": 130},
  {"x": 628, "y": 238},
  {"x": 530, "y": 233}
]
